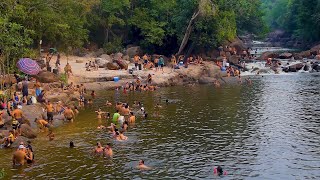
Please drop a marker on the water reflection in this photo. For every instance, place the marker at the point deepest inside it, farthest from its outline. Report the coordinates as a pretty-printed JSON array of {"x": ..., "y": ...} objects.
[{"x": 267, "y": 131}]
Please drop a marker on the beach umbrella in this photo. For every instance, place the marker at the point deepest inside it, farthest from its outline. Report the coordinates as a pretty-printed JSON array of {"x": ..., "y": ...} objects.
[{"x": 28, "y": 66}]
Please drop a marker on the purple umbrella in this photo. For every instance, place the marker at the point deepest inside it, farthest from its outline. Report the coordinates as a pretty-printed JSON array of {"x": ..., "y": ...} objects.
[{"x": 28, "y": 66}]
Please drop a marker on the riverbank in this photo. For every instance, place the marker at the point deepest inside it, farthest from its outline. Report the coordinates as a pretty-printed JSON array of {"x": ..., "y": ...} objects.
[{"x": 102, "y": 79}]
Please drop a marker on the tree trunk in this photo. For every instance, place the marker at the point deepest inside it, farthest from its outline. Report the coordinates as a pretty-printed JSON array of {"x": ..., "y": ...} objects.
[
  {"x": 188, "y": 32},
  {"x": 188, "y": 53}
]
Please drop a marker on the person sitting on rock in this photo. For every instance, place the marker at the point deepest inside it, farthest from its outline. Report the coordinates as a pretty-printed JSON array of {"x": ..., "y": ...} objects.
[{"x": 9, "y": 140}]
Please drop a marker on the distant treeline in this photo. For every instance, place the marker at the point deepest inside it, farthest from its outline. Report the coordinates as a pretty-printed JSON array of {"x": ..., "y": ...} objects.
[{"x": 300, "y": 18}]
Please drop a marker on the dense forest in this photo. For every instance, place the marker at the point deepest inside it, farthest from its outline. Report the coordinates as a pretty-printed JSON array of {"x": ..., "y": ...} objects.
[
  {"x": 162, "y": 26},
  {"x": 299, "y": 18}
]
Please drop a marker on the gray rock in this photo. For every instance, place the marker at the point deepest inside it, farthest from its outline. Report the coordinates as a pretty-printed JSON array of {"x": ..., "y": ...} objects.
[
  {"x": 132, "y": 51},
  {"x": 285, "y": 56},
  {"x": 102, "y": 62}
]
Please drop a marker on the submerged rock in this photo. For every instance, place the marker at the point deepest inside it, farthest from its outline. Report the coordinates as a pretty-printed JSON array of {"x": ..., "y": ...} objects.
[
  {"x": 285, "y": 56},
  {"x": 268, "y": 54}
]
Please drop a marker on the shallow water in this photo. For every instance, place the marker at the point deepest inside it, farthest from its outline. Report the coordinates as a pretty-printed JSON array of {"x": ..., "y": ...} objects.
[{"x": 270, "y": 130}]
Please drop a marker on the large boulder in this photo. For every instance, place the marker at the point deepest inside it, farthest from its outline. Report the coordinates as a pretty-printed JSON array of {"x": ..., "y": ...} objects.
[
  {"x": 102, "y": 62},
  {"x": 297, "y": 56},
  {"x": 105, "y": 56},
  {"x": 27, "y": 131},
  {"x": 122, "y": 64},
  {"x": 47, "y": 77},
  {"x": 285, "y": 55},
  {"x": 132, "y": 51},
  {"x": 126, "y": 58},
  {"x": 268, "y": 54},
  {"x": 305, "y": 54},
  {"x": 99, "y": 52},
  {"x": 234, "y": 59},
  {"x": 315, "y": 49},
  {"x": 113, "y": 66},
  {"x": 118, "y": 56},
  {"x": 238, "y": 45}
]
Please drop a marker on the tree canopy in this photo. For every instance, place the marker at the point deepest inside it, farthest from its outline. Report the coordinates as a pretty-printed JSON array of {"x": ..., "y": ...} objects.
[
  {"x": 301, "y": 18},
  {"x": 157, "y": 25}
]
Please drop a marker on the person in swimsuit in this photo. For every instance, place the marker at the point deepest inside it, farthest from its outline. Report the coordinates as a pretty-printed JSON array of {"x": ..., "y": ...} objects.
[
  {"x": 16, "y": 99},
  {"x": 49, "y": 108},
  {"x": 42, "y": 124},
  {"x": 69, "y": 114}
]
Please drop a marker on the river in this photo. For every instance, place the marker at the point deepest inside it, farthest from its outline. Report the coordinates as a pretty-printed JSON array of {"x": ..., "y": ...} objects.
[{"x": 270, "y": 130}]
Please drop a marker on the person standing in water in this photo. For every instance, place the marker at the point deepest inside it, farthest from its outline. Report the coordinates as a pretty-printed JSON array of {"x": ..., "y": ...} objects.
[
  {"x": 19, "y": 157},
  {"x": 116, "y": 117},
  {"x": 100, "y": 113},
  {"x": 132, "y": 118},
  {"x": 49, "y": 108},
  {"x": 69, "y": 114}
]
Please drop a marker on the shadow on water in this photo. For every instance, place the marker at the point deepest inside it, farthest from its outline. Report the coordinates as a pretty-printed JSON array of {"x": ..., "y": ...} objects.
[{"x": 266, "y": 131}]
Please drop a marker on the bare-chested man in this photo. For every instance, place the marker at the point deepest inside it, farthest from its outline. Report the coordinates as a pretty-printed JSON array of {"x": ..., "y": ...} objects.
[
  {"x": 69, "y": 114},
  {"x": 17, "y": 114},
  {"x": 132, "y": 118},
  {"x": 42, "y": 124},
  {"x": 19, "y": 157},
  {"x": 142, "y": 166}
]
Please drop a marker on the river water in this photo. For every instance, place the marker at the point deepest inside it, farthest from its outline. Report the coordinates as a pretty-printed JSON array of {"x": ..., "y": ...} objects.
[{"x": 270, "y": 130}]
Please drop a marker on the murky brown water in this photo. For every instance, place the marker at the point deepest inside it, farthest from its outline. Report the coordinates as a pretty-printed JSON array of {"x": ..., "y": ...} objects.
[{"x": 268, "y": 131}]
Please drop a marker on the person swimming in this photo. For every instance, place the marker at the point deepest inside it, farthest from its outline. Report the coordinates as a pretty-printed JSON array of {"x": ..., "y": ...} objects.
[
  {"x": 120, "y": 136},
  {"x": 219, "y": 171},
  {"x": 71, "y": 144},
  {"x": 142, "y": 166},
  {"x": 98, "y": 149},
  {"x": 107, "y": 151},
  {"x": 108, "y": 104}
]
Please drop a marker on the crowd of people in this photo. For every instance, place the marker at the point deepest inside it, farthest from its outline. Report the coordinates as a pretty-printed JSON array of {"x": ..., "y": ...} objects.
[{"x": 121, "y": 119}]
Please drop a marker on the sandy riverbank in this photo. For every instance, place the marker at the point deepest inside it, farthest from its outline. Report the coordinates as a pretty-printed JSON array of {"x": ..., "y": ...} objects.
[{"x": 103, "y": 78}]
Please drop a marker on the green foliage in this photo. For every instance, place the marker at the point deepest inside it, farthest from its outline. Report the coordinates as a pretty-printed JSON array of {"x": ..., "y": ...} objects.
[
  {"x": 157, "y": 25},
  {"x": 300, "y": 18},
  {"x": 64, "y": 78},
  {"x": 114, "y": 46}
]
